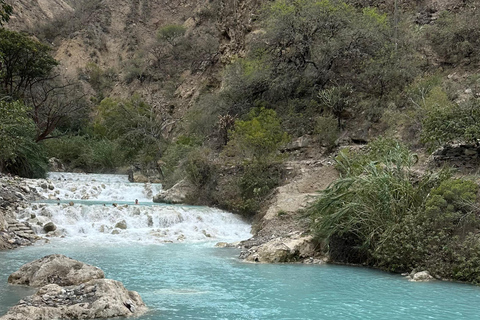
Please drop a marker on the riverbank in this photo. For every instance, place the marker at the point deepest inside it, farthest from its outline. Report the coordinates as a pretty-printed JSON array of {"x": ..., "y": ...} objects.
[
  {"x": 15, "y": 195},
  {"x": 282, "y": 232}
]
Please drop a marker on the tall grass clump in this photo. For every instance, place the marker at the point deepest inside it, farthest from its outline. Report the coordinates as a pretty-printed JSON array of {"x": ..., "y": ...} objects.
[{"x": 381, "y": 213}]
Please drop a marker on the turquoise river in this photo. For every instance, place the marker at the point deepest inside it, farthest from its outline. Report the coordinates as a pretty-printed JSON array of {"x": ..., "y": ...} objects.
[{"x": 168, "y": 255}]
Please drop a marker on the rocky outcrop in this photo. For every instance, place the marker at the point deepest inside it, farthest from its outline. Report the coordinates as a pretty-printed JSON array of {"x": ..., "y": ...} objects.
[
  {"x": 176, "y": 194},
  {"x": 279, "y": 235},
  {"x": 289, "y": 249},
  {"x": 55, "y": 165},
  {"x": 458, "y": 155},
  {"x": 421, "y": 276},
  {"x": 150, "y": 174},
  {"x": 15, "y": 193},
  {"x": 100, "y": 298},
  {"x": 71, "y": 289},
  {"x": 55, "y": 269}
]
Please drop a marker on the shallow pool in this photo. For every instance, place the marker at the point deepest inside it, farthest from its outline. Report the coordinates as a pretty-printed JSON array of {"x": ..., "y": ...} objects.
[{"x": 198, "y": 281}]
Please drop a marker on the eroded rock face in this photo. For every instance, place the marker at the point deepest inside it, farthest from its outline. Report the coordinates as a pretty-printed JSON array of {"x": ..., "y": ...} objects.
[
  {"x": 55, "y": 269},
  {"x": 99, "y": 298},
  {"x": 290, "y": 249},
  {"x": 150, "y": 174},
  {"x": 176, "y": 194}
]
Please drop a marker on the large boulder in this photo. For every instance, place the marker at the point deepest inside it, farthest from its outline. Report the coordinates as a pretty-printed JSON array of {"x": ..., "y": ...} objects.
[
  {"x": 421, "y": 276},
  {"x": 56, "y": 269},
  {"x": 145, "y": 174},
  {"x": 55, "y": 165},
  {"x": 176, "y": 194},
  {"x": 99, "y": 298},
  {"x": 50, "y": 226},
  {"x": 289, "y": 249}
]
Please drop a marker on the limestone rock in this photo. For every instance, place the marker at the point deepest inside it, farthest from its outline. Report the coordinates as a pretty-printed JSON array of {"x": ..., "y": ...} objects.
[
  {"x": 421, "y": 276},
  {"x": 149, "y": 174},
  {"x": 121, "y": 225},
  {"x": 56, "y": 269},
  {"x": 176, "y": 194},
  {"x": 55, "y": 165},
  {"x": 98, "y": 298},
  {"x": 294, "y": 248}
]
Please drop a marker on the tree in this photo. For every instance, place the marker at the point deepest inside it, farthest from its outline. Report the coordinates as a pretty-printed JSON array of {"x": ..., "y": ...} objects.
[
  {"x": 336, "y": 99},
  {"x": 324, "y": 40},
  {"x": 259, "y": 136},
  {"x": 23, "y": 63},
  {"x": 27, "y": 73},
  {"x": 133, "y": 123},
  {"x": 53, "y": 103}
]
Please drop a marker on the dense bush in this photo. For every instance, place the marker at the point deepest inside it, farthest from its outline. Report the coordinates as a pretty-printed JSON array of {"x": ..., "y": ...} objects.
[
  {"x": 87, "y": 153},
  {"x": 319, "y": 58},
  {"x": 327, "y": 130},
  {"x": 133, "y": 124},
  {"x": 455, "y": 37},
  {"x": 19, "y": 153},
  {"x": 381, "y": 213},
  {"x": 380, "y": 151},
  {"x": 257, "y": 181},
  {"x": 445, "y": 121},
  {"x": 258, "y": 137}
]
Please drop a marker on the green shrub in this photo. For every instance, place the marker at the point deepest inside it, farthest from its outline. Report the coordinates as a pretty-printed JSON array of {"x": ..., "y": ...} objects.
[
  {"x": 173, "y": 158},
  {"x": 258, "y": 137},
  {"x": 171, "y": 33},
  {"x": 200, "y": 169},
  {"x": 445, "y": 121},
  {"x": 455, "y": 37},
  {"x": 90, "y": 154},
  {"x": 19, "y": 153},
  {"x": 257, "y": 181},
  {"x": 327, "y": 130}
]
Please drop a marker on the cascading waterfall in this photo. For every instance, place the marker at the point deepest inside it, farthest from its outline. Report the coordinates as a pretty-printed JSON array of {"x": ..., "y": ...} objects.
[{"x": 101, "y": 208}]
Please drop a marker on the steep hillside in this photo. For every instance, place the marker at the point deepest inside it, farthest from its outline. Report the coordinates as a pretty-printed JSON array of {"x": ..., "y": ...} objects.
[{"x": 120, "y": 38}]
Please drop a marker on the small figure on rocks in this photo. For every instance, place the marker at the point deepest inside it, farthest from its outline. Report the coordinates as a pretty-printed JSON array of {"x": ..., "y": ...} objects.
[{"x": 136, "y": 201}]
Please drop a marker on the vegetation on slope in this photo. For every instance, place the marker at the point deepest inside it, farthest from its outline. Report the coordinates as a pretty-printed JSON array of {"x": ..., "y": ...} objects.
[
  {"x": 383, "y": 214},
  {"x": 323, "y": 68}
]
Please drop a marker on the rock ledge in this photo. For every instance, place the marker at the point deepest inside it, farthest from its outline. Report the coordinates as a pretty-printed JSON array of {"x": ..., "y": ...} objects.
[{"x": 71, "y": 290}]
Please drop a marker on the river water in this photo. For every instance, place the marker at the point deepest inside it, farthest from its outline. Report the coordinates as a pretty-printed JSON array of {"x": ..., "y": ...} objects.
[{"x": 170, "y": 259}]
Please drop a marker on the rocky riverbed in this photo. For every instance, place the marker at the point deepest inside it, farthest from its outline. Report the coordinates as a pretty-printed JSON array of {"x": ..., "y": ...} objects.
[{"x": 15, "y": 194}]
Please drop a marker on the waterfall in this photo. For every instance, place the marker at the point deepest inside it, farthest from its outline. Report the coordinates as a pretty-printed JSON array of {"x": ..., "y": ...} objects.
[{"x": 101, "y": 208}]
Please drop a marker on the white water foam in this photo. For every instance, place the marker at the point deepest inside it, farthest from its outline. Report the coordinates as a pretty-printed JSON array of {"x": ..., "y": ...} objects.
[
  {"x": 100, "y": 219},
  {"x": 103, "y": 187}
]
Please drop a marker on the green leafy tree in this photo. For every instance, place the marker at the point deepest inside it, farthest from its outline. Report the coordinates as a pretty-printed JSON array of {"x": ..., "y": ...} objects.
[
  {"x": 455, "y": 37},
  {"x": 26, "y": 73},
  {"x": 318, "y": 56},
  {"x": 19, "y": 154},
  {"x": 133, "y": 123},
  {"x": 257, "y": 137},
  {"x": 23, "y": 63},
  {"x": 330, "y": 41}
]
